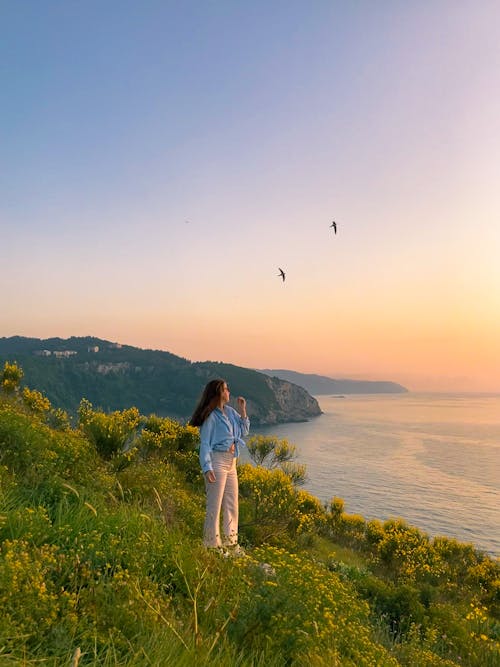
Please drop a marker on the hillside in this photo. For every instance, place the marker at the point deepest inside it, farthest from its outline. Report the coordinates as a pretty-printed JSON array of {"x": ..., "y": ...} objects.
[
  {"x": 101, "y": 561},
  {"x": 113, "y": 377},
  {"x": 321, "y": 384}
]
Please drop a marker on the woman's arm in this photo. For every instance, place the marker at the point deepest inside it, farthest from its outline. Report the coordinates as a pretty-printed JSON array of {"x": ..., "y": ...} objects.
[
  {"x": 206, "y": 431},
  {"x": 242, "y": 407},
  {"x": 245, "y": 422}
]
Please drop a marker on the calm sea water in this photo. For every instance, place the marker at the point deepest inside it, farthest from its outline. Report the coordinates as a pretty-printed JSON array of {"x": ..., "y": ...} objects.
[{"x": 431, "y": 459}]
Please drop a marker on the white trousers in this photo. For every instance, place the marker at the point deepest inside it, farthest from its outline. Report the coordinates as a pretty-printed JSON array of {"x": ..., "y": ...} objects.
[{"x": 222, "y": 494}]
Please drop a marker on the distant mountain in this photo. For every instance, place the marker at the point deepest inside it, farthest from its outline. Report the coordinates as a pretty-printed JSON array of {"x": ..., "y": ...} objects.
[
  {"x": 113, "y": 377},
  {"x": 320, "y": 384}
]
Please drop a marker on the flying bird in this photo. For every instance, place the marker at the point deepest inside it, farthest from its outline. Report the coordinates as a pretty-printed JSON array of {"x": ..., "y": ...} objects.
[
  {"x": 334, "y": 225},
  {"x": 281, "y": 274}
]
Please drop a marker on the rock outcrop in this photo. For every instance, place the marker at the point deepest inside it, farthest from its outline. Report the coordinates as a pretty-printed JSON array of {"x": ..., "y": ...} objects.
[{"x": 292, "y": 404}]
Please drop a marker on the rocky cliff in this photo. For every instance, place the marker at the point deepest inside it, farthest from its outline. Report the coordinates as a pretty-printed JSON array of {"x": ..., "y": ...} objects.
[{"x": 292, "y": 404}]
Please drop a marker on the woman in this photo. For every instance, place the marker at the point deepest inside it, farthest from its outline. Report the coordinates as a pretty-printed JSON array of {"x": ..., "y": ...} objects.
[{"x": 221, "y": 431}]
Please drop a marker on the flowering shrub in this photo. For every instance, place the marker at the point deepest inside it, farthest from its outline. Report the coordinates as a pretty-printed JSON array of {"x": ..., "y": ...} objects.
[
  {"x": 40, "y": 454},
  {"x": 58, "y": 419},
  {"x": 485, "y": 576},
  {"x": 10, "y": 378},
  {"x": 27, "y": 523},
  {"x": 374, "y": 532},
  {"x": 274, "y": 506},
  {"x": 170, "y": 441},
  {"x": 408, "y": 552},
  {"x": 411, "y": 653},
  {"x": 31, "y": 401},
  {"x": 270, "y": 501},
  {"x": 31, "y": 600},
  {"x": 310, "y": 516},
  {"x": 350, "y": 529},
  {"x": 162, "y": 436},
  {"x": 336, "y": 509},
  {"x": 35, "y": 401},
  {"x": 305, "y": 611},
  {"x": 110, "y": 433},
  {"x": 272, "y": 453}
]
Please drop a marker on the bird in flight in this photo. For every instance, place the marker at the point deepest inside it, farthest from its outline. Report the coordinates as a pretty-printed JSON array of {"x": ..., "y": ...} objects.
[
  {"x": 334, "y": 225},
  {"x": 281, "y": 274}
]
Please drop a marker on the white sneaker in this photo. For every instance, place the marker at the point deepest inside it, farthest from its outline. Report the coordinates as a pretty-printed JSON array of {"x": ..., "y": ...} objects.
[
  {"x": 220, "y": 551},
  {"x": 236, "y": 551}
]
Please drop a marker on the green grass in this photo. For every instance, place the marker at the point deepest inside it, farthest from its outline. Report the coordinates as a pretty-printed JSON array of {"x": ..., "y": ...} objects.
[{"x": 325, "y": 549}]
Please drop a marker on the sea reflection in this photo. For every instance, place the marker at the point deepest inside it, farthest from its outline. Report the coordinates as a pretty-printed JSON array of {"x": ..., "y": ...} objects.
[{"x": 431, "y": 459}]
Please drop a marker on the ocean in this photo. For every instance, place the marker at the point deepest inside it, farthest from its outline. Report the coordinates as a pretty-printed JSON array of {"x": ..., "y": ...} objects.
[{"x": 430, "y": 459}]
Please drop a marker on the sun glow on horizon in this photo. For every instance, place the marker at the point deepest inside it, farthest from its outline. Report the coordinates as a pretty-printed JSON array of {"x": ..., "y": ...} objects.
[{"x": 384, "y": 119}]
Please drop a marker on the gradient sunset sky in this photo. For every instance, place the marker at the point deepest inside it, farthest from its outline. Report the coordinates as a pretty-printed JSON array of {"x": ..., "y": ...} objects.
[{"x": 160, "y": 160}]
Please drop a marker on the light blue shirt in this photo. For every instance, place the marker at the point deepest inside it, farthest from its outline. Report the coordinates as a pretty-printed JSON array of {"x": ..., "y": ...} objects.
[{"x": 218, "y": 432}]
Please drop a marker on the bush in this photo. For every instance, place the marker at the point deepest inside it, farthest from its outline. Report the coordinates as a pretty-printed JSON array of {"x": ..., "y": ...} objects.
[
  {"x": 310, "y": 516},
  {"x": 273, "y": 453},
  {"x": 161, "y": 437},
  {"x": 374, "y": 532},
  {"x": 269, "y": 502},
  {"x": 110, "y": 433},
  {"x": 40, "y": 455},
  {"x": 407, "y": 552},
  {"x": 399, "y": 606},
  {"x": 306, "y": 613},
  {"x": 10, "y": 378},
  {"x": 32, "y": 602},
  {"x": 35, "y": 401},
  {"x": 167, "y": 440}
]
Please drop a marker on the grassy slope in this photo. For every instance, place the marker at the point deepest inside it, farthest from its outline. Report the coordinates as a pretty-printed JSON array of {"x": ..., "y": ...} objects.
[{"x": 105, "y": 557}]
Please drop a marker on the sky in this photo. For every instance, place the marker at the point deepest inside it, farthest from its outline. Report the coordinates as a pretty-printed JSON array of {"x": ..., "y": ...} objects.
[{"x": 160, "y": 161}]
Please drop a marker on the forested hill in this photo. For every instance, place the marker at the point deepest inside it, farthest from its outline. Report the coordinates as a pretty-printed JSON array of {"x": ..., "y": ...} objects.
[
  {"x": 114, "y": 377},
  {"x": 320, "y": 384}
]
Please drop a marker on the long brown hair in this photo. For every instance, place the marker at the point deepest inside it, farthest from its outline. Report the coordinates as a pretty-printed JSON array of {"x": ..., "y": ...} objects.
[{"x": 209, "y": 401}]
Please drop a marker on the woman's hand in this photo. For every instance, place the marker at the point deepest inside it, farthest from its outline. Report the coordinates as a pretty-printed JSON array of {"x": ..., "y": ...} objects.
[
  {"x": 210, "y": 476},
  {"x": 242, "y": 406}
]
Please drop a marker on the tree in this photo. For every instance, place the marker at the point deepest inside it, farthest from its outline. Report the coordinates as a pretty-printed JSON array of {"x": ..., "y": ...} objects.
[{"x": 272, "y": 453}]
